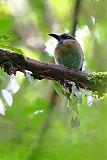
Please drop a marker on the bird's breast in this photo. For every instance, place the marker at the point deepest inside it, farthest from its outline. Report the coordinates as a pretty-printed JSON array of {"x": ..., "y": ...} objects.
[{"x": 69, "y": 54}]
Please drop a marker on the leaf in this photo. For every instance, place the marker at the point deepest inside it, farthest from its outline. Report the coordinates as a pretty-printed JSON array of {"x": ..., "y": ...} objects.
[
  {"x": 75, "y": 122},
  {"x": 72, "y": 104},
  {"x": 76, "y": 92},
  {"x": 2, "y": 108},
  {"x": 59, "y": 88},
  {"x": 7, "y": 96},
  {"x": 3, "y": 82},
  {"x": 12, "y": 49},
  {"x": 13, "y": 85},
  {"x": 5, "y": 43},
  {"x": 5, "y": 39},
  {"x": 2, "y": 72},
  {"x": 29, "y": 76},
  {"x": 3, "y": 79}
]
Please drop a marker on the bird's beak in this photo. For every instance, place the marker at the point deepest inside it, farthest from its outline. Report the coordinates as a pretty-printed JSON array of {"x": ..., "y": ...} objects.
[{"x": 55, "y": 36}]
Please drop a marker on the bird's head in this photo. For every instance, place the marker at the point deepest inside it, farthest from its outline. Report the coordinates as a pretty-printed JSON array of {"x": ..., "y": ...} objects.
[{"x": 62, "y": 37}]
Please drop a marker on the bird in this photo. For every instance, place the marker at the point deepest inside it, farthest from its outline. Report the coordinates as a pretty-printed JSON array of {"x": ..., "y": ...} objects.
[{"x": 68, "y": 52}]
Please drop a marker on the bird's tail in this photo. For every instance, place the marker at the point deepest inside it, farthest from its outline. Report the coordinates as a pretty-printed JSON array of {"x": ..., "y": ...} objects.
[
  {"x": 72, "y": 90},
  {"x": 68, "y": 86}
]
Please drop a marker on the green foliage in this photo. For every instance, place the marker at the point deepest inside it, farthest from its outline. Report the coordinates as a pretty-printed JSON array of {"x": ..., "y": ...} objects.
[
  {"x": 57, "y": 133},
  {"x": 72, "y": 104},
  {"x": 5, "y": 43},
  {"x": 5, "y": 39},
  {"x": 13, "y": 49},
  {"x": 59, "y": 89},
  {"x": 72, "y": 98},
  {"x": 3, "y": 79},
  {"x": 75, "y": 122},
  {"x": 99, "y": 83}
]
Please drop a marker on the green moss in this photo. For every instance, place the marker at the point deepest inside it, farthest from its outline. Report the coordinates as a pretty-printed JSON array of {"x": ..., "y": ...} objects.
[
  {"x": 12, "y": 49},
  {"x": 98, "y": 83}
]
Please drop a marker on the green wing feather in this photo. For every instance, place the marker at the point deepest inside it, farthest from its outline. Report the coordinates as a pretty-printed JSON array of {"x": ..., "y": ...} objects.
[{"x": 70, "y": 58}]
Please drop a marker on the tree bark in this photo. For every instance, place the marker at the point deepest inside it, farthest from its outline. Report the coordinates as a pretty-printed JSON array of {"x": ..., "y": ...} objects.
[{"x": 13, "y": 62}]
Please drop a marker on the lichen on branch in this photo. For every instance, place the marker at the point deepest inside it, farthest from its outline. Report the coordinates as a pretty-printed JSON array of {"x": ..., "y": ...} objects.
[{"x": 98, "y": 81}]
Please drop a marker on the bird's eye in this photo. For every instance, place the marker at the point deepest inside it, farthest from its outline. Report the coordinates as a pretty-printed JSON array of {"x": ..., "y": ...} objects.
[{"x": 68, "y": 37}]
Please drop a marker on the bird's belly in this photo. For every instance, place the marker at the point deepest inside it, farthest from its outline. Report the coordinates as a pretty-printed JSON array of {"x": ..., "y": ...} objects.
[{"x": 70, "y": 60}]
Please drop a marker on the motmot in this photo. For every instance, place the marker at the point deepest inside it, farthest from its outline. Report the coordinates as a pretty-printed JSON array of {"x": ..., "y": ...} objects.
[{"x": 68, "y": 51}]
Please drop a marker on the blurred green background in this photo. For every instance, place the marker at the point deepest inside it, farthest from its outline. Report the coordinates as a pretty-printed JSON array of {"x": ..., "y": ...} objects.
[{"x": 37, "y": 125}]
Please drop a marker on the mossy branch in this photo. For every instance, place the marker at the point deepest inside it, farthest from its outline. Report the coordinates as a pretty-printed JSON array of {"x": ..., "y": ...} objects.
[{"x": 13, "y": 62}]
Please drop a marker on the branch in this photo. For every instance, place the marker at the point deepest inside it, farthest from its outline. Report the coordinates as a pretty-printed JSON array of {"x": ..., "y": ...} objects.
[
  {"x": 13, "y": 62},
  {"x": 75, "y": 16}
]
